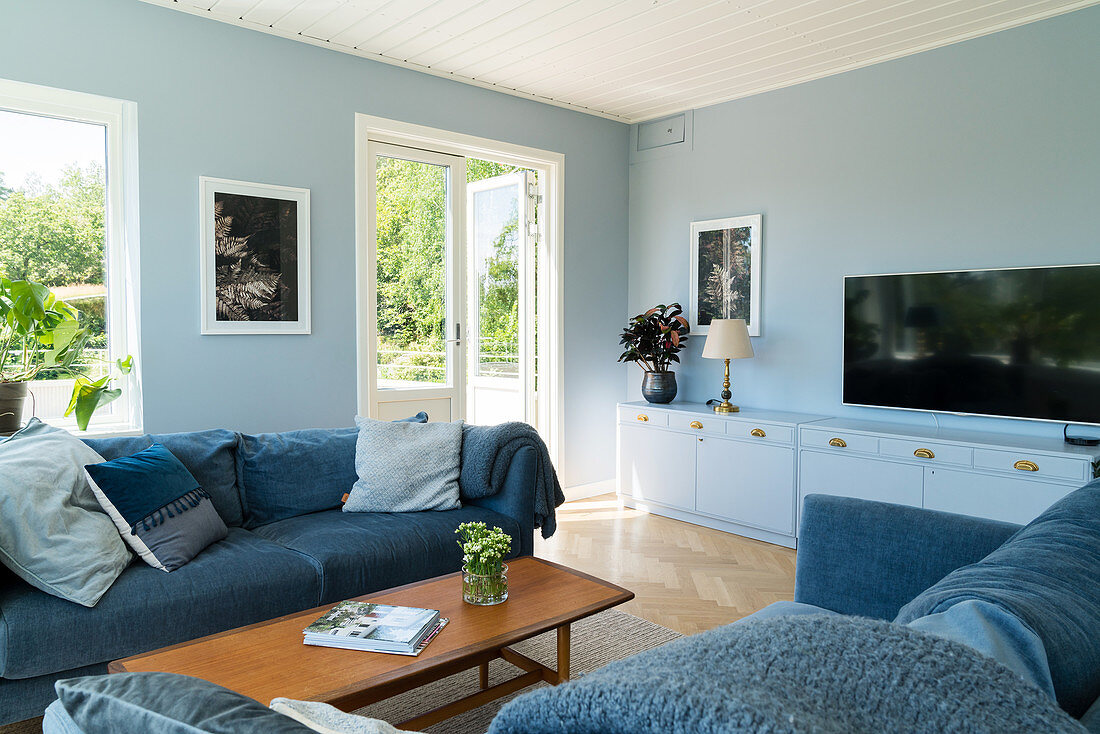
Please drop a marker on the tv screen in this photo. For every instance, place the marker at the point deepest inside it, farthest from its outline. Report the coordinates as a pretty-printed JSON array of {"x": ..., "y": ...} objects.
[{"x": 1019, "y": 343}]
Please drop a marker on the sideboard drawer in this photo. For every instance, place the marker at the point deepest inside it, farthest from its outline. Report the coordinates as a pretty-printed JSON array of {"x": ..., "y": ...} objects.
[
  {"x": 840, "y": 441},
  {"x": 696, "y": 423},
  {"x": 643, "y": 416},
  {"x": 1027, "y": 464},
  {"x": 933, "y": 453},
  {"x": 767, "y": 432}
]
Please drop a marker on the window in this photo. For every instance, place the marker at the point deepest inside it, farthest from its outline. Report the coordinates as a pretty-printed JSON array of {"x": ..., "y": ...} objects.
[{"x": 68, "y": 220}]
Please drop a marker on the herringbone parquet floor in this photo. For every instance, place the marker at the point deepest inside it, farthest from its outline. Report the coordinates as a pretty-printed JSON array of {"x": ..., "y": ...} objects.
[{"x": 685, "y": 577}]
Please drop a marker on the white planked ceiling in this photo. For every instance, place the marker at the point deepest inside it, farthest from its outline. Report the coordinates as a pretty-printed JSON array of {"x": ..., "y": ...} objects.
[{"x": 629, "y": 60}]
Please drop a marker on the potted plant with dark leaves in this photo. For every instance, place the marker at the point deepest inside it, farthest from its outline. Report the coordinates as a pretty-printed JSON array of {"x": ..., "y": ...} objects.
[
  {"x": 38, "y": 332},
  {"x": 652, "y": 340}
]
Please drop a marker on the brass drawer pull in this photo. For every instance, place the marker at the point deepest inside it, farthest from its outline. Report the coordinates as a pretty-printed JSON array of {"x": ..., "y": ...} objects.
[
  {"x": 758, "y": 432},
  {"x": 838, "y": 442},
  {"x": 696, "y": 425},
  {"x": 1025, "y": 465},
  {"x": 924, "y": 454},
  {"x": 643, "y": 417}
]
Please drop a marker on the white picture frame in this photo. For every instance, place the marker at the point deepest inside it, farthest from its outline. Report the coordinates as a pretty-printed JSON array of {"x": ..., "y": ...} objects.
[
  {"x": 731, "y": 251},
  {"x": 277, "y": 298}
]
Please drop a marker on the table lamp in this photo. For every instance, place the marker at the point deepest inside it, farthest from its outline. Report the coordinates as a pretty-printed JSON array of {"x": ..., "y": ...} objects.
[{"x": 727, "y": 339}]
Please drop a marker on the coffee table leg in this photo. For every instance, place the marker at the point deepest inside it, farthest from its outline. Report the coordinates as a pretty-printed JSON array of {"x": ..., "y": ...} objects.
[
  {"x": 483, "y": 675},
  {"x": 563, "y": 653}
]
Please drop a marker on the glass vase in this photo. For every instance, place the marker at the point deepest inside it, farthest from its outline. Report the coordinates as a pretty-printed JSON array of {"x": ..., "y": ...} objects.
[{"x": 485, "y": 589}]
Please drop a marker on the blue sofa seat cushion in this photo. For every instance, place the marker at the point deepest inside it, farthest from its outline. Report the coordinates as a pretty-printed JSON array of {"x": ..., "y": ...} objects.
[
  {"x": 1047, "y": 575},
  {"x": 208, "y": 455},
  {"x": 358, "y": 553},
  {"x": 237, "y": 581}
]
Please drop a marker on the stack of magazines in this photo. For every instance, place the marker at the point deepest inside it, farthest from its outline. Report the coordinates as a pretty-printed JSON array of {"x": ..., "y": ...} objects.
[{"x": 356, "y": 625}]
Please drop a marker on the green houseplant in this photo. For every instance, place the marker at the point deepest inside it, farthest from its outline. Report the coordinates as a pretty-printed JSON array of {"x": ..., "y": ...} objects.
[
  {"x": 652, "y": 340},
  {"x": 484, "y": 573},
  {"x": 38, "y": 331}
]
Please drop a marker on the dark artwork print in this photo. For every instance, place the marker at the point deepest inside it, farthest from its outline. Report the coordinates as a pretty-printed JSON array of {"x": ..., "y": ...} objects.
[
  {"x": 256, "y": 258},
  {"x": 725, "y": 266}
]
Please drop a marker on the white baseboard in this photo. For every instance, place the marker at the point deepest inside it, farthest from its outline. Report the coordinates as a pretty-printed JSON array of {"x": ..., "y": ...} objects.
[{"x": 584, "y": 491}]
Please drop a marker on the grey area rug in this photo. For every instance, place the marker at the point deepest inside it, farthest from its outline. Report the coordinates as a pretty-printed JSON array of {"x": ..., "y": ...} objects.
[{"x": 595, "y": 642}]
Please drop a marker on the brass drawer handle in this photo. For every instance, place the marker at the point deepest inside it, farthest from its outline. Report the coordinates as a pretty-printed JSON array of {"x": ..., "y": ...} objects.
[
  {"x": 643, "y": 417},
  {"x": 838, "y": 442},
  {"x": 1025, "y": 465},
  {"x": 696, "y": 425},
  {"x": 758, "y": 432},
  {"x": 924, "y": 454}
]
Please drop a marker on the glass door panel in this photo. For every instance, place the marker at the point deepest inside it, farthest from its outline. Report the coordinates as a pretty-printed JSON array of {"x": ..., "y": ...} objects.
[
  {"x": 498, "y": 278},
  {"x": 418, "y": 362}
]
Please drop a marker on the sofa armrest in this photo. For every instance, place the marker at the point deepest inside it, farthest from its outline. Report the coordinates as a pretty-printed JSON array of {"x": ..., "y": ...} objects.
[
  {"x": 516, "y": 498},
  {"x": 871, "y": 558}
]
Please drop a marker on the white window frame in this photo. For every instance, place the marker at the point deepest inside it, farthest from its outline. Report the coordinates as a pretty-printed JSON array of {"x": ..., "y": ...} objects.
[{"x": 119, "y": 117}]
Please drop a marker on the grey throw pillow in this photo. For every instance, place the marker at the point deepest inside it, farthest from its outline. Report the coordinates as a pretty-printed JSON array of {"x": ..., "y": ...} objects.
[
  {"x": 406, "y": 467},
  {"x": 165, "y": 703},
  {"x": 53, "y": 533}
]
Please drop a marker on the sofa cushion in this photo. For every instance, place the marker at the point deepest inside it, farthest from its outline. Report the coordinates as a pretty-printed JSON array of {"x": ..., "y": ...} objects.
[
  {"x": 238, "y": 581},
  {"x": 165, "y": 703},
  {"x": 1046, "y": 574},
  {"x": 157, "y": 505},
  {"x": 209, "y": 455},
  {"x": 362, "y": 552},
  {"x": 394, "y": 475},
  {"x": 53, "y": 533},
  {"x": 295, "y": 473}
]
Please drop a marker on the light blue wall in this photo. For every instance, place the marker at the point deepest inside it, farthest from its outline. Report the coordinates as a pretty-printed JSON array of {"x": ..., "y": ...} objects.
[
  {"x": 982, "y": 154},
  {"x": 216, "y": 100}
]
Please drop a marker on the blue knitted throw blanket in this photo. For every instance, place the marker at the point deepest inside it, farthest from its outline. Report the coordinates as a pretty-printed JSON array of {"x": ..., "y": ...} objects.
[
  {"x": 487, "y": 452},
  {"x": 813, "y": 673}
]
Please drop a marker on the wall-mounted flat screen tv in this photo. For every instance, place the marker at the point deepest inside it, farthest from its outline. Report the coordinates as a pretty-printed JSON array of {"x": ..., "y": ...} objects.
[{"x": 1018, "y": 342}]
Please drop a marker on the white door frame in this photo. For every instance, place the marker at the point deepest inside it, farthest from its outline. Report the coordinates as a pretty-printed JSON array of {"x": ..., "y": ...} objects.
[{"x": 551, "y": 168}]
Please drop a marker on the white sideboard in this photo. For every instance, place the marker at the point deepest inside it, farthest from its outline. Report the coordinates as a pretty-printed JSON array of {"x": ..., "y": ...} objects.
[
  {"x": 993, "y": 475},
  {"x": 747, "y": 472},
  {"x": 736, "y": 472}
]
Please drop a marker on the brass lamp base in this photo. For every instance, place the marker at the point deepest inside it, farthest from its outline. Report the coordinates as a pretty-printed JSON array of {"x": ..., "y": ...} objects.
[{"x": 726, "y": 406}]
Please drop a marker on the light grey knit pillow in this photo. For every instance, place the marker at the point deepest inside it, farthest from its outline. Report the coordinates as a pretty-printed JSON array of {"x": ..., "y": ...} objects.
[{"x": 406, "y": 467}]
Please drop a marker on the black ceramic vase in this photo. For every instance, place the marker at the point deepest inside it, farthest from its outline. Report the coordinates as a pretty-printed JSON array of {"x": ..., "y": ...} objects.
[{"x": 659, "y": 387}]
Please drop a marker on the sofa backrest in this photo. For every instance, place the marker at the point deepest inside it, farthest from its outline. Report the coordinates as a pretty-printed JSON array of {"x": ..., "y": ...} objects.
[
  {"x": 209, "y": 455},
  {"x": 283, "y": 475}
]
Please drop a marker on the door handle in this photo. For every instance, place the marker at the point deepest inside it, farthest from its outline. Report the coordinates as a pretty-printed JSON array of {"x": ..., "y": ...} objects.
[
  {"x": 838, "y": 442},
  {"x": 924, "y": 454},
  {"x": 696, "y": 425},
  {"x": 758, "y": 433},
  {"x": 1025, "y": 465},
  {"x": 458, "y": 335}
]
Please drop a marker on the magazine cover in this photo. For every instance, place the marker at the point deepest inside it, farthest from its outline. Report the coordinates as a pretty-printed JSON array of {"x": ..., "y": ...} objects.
[{"x": 354, "y": 620}]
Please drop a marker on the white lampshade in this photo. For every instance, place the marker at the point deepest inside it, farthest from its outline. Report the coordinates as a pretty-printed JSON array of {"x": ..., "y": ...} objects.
[{"x": 728, "y": 339}]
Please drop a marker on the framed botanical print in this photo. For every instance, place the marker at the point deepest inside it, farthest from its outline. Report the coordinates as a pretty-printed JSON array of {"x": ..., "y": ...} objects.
[
  {"x": 725, "y": 272},
  {"x": 255, "y": 258}
]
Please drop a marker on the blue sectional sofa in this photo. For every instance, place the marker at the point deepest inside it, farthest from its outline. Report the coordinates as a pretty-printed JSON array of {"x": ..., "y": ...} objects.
[{"x": 290, "y": 547}]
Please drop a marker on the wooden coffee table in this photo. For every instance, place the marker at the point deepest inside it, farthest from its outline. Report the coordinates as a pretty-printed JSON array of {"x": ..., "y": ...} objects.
[{"x": 269, "y": 659}]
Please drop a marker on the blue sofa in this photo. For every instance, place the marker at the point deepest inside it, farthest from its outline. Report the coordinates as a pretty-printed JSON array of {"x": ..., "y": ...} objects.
[{"x": 289, "y": 547}]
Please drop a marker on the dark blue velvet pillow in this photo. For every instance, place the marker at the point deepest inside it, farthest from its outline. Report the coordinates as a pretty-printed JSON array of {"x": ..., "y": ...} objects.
[
  {"x": 208, "y": 455},
  {"x": 157, "y": 505},
  {"x": 295, "y": 473},
  {"x": 1048, "y": 575},
  {"x": 165, "y": 703}
]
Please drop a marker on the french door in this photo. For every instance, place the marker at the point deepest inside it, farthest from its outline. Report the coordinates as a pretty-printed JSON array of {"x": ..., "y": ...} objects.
[{"x": 451, "y": 294}]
